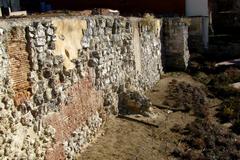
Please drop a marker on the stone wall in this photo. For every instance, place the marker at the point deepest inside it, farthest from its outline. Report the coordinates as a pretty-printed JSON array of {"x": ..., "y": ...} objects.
[
  {"x": 175, "y": 44},
  {"x": 195, "y": 38},
  {"x": 62, "y": 76}
]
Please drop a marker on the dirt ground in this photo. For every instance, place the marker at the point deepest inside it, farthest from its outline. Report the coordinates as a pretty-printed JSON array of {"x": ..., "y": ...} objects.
[{"x": 130, "y": 140}]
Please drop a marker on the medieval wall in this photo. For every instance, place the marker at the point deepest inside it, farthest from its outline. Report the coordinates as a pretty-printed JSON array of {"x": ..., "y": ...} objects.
[
  {"x": 175, "y": 44},
  {"x": 61, "y": 77}
]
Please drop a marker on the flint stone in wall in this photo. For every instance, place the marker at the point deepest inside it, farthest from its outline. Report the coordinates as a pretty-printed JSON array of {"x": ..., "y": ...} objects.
[
  {"x": 40, "y": 41},
  {"x": 27, "y": 119},
  {"x": 40, "y": 32}
]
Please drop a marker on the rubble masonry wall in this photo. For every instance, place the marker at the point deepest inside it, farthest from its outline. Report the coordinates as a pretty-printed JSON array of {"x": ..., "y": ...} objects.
[{"x": 61, "y": 77}]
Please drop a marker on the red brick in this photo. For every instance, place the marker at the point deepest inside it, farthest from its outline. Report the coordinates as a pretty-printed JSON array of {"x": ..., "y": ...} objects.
[
  {"x": 85, "y": 101},
  {"x": 19, "y": 64}
]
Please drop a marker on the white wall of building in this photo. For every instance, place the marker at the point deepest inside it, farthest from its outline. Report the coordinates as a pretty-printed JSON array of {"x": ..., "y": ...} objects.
[
  {"x": 199, "y": 8},
  {"x": 196, "y": 7}
]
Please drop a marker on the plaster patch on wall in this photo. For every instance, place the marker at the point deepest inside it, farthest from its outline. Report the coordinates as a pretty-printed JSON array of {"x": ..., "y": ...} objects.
[
  {"x": 69, "y": 35},
  {"x": 136, "y": 46}
]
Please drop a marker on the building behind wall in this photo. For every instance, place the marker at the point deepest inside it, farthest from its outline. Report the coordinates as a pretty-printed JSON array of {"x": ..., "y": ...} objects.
[
  {"x": 198, "y": 12},
  {"x": 227, "y": 17}
]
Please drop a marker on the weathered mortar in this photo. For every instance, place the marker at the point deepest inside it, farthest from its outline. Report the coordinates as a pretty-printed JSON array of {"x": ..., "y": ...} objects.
[{"x": 66, "y": 75}]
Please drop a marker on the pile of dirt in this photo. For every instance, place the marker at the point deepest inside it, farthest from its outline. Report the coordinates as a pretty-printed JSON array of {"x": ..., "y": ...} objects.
[
  {"x": 229, "y": 111},
  {"x": 186, "y": 97},
  {"x": 206, "y": 138},
  {"x": 219, "y": 81},
  {"x": 206, "y": 141}
]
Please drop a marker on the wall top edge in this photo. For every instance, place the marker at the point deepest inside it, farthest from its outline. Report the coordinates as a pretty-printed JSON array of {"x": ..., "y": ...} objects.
[{"x": 25, "y": 21}]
